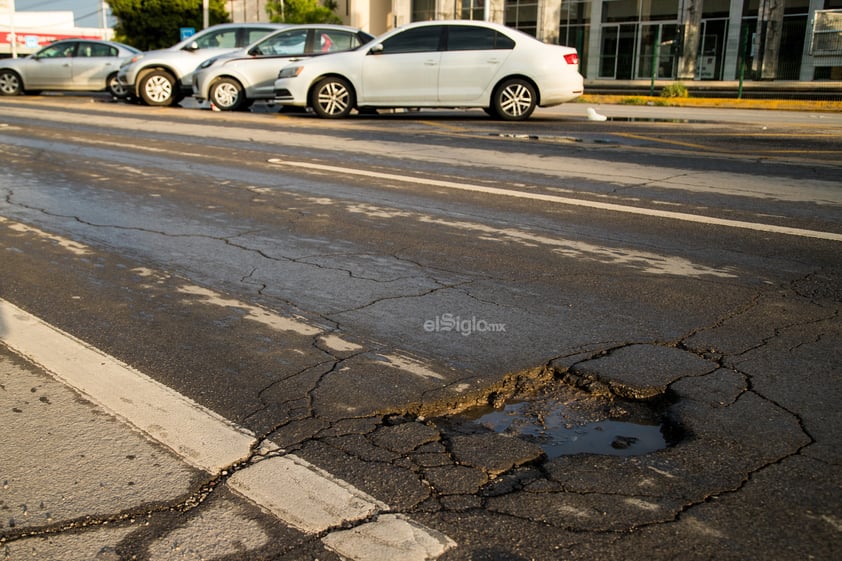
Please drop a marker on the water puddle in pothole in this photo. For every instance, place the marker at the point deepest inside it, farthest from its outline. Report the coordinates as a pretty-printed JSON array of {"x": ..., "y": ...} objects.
[
  {"x": 558, "y": 436},
  {"x": 567, "y": 423}
]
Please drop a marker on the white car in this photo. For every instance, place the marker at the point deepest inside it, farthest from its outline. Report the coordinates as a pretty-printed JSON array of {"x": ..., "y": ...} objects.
[
  {"x": 164, "y": 77},
  {"x": 72, "y": 64},
  {"x": 458, "y": 63},
  {"x": 235, "y": 80}
]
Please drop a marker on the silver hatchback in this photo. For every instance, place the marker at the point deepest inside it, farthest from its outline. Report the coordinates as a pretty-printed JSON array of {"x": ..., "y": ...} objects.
[
  {"x": 164, "y": 76},
  {"x": 234, "y": 81}
]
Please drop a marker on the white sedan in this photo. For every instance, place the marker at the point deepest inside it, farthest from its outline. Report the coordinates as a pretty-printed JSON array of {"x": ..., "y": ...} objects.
[{"x": 457, "y": 63}]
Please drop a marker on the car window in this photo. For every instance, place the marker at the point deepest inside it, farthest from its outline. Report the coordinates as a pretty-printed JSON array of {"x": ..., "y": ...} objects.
[
  {"x": 95, "y": 49},
  {"x": 472, "y": 38},
  {"x": 55, "y": 51},
  {"x": 333, "y": 40},
  {"x": 286, "y": 43},
  {"x": 224, "y": 38},
  {"x": 251, "y": 35},
  {"x": 415, "y": 40}
]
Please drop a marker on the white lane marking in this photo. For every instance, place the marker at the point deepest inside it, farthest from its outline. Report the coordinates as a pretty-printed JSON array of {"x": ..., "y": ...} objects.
[
  {"x": 311, "y": 509},
  {"x": 648, "y": 262},
  {"x": 297, "y": 492},
  {"x": 253, "y": 313},
  {"x": 769, "y": 228},
  {"x": 204, "y": 439},
  {"x": 391, "y": 534},
  {"x": 74, "y": 247}
]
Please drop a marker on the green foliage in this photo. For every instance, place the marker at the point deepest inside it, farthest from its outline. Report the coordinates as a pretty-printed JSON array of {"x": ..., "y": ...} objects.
[
  {"x": 633, "y": 100},
  {"x": 302, "y": 11},
  {"x": 155, "y": 24},
  {"x": 676, "y": 89}
]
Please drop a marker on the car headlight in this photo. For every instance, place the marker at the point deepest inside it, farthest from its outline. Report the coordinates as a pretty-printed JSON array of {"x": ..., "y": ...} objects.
[
  {"x": 132, "y": 60},
  {"x": 290, "y": 71},
  {"x": 208, "y": 62}
]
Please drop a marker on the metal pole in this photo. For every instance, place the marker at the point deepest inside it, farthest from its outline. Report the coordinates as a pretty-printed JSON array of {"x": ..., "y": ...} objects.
[
  {"x": 205, "y": 15},
  {"x": 655, "y": 57},
  {"x": 12, "y": 37},
  {"x": 103, "y": 10},
  {"x": 743, "y": 64}
]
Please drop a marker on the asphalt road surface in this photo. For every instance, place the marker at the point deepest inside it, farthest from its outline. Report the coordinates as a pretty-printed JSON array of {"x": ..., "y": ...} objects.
[{"x": 557, "y": 339}]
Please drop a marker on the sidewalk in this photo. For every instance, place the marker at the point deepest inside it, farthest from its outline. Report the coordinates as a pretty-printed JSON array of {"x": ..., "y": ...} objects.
[{"x": 77, "y": 484}]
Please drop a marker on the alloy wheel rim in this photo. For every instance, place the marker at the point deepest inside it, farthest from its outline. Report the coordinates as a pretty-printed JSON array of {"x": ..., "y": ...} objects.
[
  {"x": 333, "y": 98},
  {"x": 8, "y": 83},
  {"x": 516, "y": 100},
  {"x": 117, "y": 88}
]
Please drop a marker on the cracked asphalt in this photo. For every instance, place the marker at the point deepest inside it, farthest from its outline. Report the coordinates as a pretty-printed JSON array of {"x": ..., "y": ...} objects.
[{"x": 343, "y": 318}]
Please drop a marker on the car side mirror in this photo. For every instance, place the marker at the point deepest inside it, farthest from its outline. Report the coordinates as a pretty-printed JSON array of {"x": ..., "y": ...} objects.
[
  {"x": 376, "y": 49},
  {"x": 194, "y": 46}
]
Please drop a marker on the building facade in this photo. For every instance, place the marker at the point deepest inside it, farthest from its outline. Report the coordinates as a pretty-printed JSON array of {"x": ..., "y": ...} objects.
[
  {"x": 799, "y": 40},
  {"x": 22, "y": 33}
]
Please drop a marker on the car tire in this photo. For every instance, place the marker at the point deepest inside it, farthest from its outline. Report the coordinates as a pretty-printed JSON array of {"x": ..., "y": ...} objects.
[
  {"x": 10, "y": 83},
  {"x": 514, "y": 100},
  {"x": 115, "y": 88},
  {"x": 332, "y": 98},
  {"x": 158, "y": 88},
  {"x": 227, "y": 94}
]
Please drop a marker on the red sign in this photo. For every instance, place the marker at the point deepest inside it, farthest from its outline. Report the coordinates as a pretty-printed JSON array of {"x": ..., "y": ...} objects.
[{"x": 24, "y": 38}]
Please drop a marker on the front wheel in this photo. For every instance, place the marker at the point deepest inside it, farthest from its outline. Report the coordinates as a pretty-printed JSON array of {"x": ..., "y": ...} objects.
[
  {"x": 514, "y": 100},
  {"x": 226, "y": 94},
  {"x": 332, "y": 98},
  {"x": 158, "y": 88},
  {"x": 10, "y": 83},
  {"x": 115, "y": 88}
]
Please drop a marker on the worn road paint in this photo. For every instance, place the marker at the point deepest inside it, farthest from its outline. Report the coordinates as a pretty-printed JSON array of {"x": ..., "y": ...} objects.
[
  {"x": 709, "y": 220},
  {"x": 295, "y": 491}
]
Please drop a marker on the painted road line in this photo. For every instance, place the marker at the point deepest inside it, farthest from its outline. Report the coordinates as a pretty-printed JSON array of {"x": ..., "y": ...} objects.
[
  {"x": 297, "y": 492},
  {"x": 769, "y": 228},
  {"x": 202, "y": 438}
]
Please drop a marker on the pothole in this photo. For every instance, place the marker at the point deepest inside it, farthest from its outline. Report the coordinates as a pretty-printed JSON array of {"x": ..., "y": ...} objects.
[{"x": 564, "y": 421}]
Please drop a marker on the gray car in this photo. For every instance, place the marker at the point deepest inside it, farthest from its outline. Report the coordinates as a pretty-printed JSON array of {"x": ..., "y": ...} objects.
[
  {"x": 235, "y": 80},
  {"x": 164, "y": 77},
  {"x": 70, "y": 65}
]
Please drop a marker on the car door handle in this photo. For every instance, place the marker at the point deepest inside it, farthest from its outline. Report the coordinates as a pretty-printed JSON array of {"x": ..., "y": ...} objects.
[{"x": 430, "y": 62}]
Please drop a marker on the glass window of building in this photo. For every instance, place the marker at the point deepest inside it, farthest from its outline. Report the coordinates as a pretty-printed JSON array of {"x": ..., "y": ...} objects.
[
  {"x": 473, "y": 9},
  {"x": 574, "y": 28},
  {"x": 523, "y": 15},
  {"x": 620, "y": 10},
  {"x": 423, "y": 10}
]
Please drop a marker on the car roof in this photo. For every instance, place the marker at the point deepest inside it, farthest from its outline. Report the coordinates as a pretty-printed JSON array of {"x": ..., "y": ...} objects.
[
  {"x": 251, "y": 25},
  {"x": 90, "y": 40}
]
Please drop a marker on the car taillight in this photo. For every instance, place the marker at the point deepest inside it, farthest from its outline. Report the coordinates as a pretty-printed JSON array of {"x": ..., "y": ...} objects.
[{"x": 572, "y": 58}]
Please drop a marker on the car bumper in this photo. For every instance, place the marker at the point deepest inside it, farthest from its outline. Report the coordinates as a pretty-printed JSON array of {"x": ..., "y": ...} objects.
[
  {"x": 556, "y": 92},
  {"x": 290, "y": 92},
  {"x": 126, "y": 76}
]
